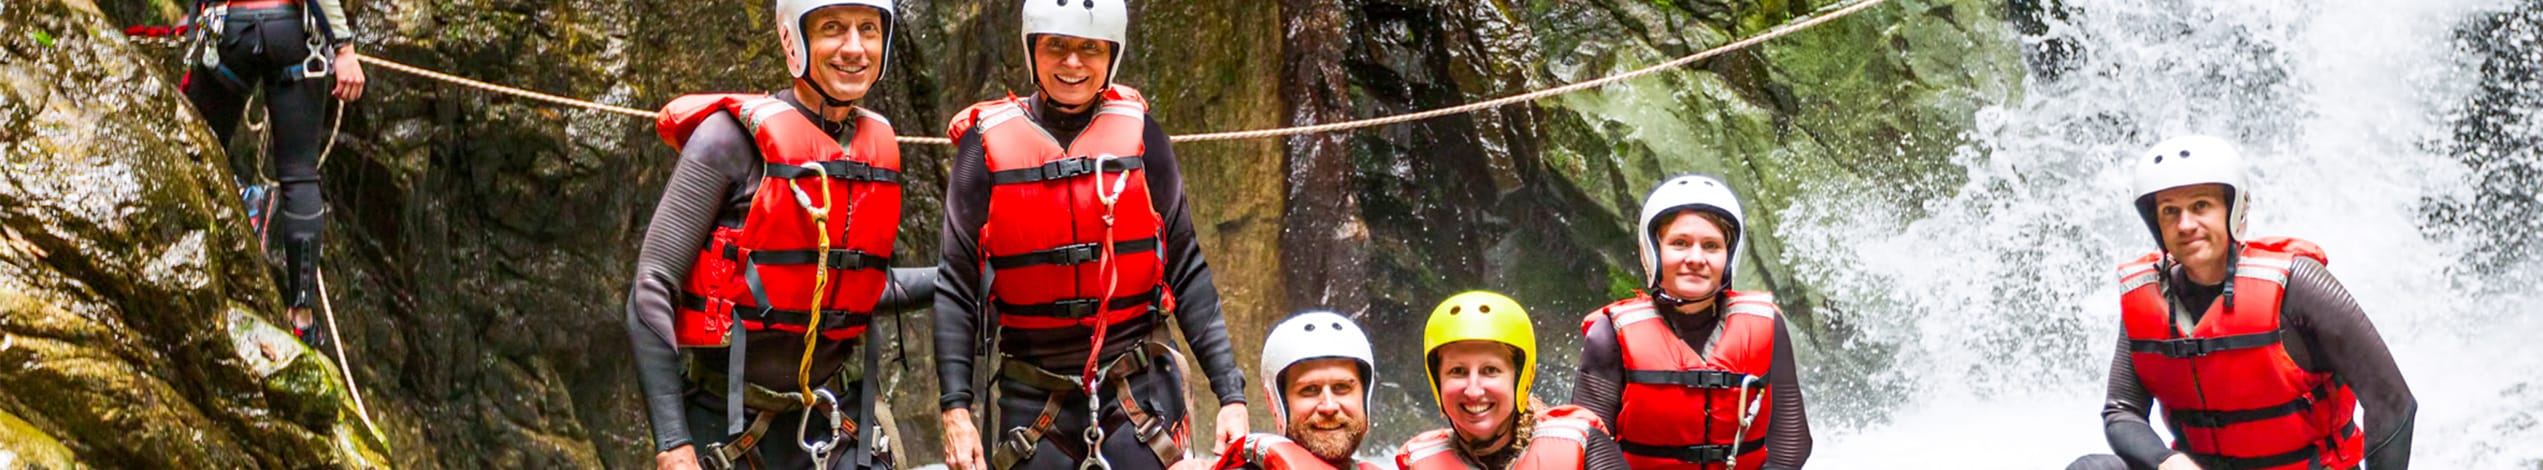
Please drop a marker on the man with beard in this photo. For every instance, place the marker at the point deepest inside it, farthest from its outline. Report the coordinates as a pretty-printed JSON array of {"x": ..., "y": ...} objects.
[{"x": 1319, "y": 368}]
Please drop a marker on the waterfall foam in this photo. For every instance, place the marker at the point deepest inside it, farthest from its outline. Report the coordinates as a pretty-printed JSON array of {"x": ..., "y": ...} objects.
[{"x": 2000, "y": 299}]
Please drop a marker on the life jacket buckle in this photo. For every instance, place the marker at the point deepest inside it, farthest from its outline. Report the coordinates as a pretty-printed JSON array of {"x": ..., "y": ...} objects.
[
  {"x": 711, "y": 457},
  {"x": 2186, "y": 348}
]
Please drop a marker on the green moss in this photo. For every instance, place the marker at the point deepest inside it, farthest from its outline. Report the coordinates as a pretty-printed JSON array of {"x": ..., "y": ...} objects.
[{"x": 24, "y": 446}]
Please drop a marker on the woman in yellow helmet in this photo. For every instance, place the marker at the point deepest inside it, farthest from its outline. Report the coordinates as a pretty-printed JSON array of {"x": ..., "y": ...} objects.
[{"x": 1480, "y": 352}]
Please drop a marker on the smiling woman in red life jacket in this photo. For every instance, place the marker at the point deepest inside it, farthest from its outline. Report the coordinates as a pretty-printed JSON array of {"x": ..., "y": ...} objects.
[
  {"x": 769, "y": 253},
  {"x": 1694, "y": 375},
  {"x": 2257, "y": 355},
  {"x": 1067, "y": 249},
  {"x": 1479, "y": 352}
]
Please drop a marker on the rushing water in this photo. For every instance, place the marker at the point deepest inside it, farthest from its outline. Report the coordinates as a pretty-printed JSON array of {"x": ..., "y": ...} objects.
[{"x": 2001, "y": 298}]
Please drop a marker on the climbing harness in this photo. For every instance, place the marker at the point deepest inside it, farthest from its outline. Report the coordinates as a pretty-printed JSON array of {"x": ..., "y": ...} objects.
[{"x": 1815, "y": 18}]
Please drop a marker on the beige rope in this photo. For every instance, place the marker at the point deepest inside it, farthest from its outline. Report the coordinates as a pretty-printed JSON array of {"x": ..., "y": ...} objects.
[
  {"x": 366, "y": 59},
  {"x": 1778, "y": 31},
  {"x": 1806, "y": 22}
]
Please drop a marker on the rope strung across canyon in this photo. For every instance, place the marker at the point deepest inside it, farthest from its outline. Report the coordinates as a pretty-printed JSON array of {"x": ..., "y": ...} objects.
[{"x": 1815, "y": 18}]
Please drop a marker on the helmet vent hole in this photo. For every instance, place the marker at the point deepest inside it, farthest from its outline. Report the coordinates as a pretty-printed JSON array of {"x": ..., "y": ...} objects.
[
  {"x": 1483, "y": 308},
  {"x": 1456, "y": 310},
  {"x": 1337, "y": 327},
  {"x": 1311, "y": 327},
  {"x": 2185, "y": 154}
]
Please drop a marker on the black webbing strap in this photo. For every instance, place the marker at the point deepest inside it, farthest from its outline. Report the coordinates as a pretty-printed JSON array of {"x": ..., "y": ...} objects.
[
  {"x": 1072, "y": 254},
  {"x": 830, "y": 319},
  {"x": 1076, "y": 308},
  {"x": 863, "y": 454},
  {"x": 1712, "y": 379},
  {"x": 839, "y": 169},
  {"x": 2219, "y": 419},
  {"x": 839, "y": 259},
  {"x": 2218, "y": 462},
  {"x": 1711, "y": 453},
  {"x": 1064, "y": 168},
  {"x": 2195, "y": 347}
]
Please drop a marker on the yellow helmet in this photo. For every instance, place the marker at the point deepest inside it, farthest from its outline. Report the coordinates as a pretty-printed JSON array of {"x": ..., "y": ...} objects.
[{"x": 1481, "y": 315}]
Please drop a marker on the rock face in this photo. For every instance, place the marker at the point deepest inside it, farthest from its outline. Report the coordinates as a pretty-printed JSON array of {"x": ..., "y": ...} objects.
[
  {"x": 134, "y": 322},
  {"x": 480, "y": 245}
]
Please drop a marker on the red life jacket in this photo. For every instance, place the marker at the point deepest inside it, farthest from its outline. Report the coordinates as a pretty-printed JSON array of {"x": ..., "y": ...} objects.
[
  {"x": 1059, "y": 246},
  {"x": 1275, "y": 452},
  {"x": 2227, "y": 384},
  {"x": 761, "y": 275},
  {"x": 1681, "y": 407},
  {"x": 1560, "y": 442}
]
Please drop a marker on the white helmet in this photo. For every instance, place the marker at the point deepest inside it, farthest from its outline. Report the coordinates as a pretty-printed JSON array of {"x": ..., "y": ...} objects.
[
  {"x": 790, "y": 29},
  {"x": 1687, "y": 193},
  {"x": 2192, "y": 160},
  {"x": 1310, "y": 336},
  {"x": 1103, "y": 20}
]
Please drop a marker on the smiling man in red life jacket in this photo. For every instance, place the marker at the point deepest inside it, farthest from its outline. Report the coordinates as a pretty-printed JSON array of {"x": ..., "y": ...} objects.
[
  {"x": 1317, "y": 367},
  {"x": 769, "y": 254},
  {"x": 2257, "y": 355},
  {"x": 1067, "y": 248}
]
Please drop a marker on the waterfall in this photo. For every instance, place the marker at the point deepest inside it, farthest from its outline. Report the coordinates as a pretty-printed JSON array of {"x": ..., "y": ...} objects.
[{"x": 2000, "y": 299}]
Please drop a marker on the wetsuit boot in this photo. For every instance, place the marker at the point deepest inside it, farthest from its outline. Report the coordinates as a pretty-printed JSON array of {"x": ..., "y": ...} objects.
[{"x": 300, "y": 256}]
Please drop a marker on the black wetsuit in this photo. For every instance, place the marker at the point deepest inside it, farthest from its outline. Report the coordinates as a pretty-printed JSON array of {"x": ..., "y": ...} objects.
[
  {"x": 1600, "y": 387},
  {"x": 2329, "y": 334},
  {"x": 712, "y": 186},
  {"x": 959, "y": 315},
  {"x": 259, "y": 50}
]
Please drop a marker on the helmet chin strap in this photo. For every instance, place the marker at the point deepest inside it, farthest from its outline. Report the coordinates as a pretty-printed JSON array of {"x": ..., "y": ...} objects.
[
  {"x": 828, "y": 103},
  {"x": 1667, "y": 301}
]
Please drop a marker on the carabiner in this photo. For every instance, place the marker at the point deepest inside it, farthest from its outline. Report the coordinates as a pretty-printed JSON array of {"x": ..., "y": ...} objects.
[
  {"x": 819, "y": 449},
  {"x": 820, "y": 214},
  {"x": 1121, "y": 184},
  {"x": 1747, "y": 414},
  {"x": 1094, "y": 434}
]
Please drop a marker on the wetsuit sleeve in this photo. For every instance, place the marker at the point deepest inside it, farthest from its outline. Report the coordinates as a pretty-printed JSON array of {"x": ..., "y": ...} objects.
[
  {"x": 2344, "y": 342},
  {"x": 2124, "y": 414},
  {"x": 958, "y": 283},
  {"x": 1600, "y": 385},
  {"x": 1196, "y": 297},
  {"x": 909, "y": 289},
  {"x": 1601, "y": 452},
  {"x": 681, "y": 223},
  {"x": 332, "y": 22},
  {"x": 1788, "y": 438}
]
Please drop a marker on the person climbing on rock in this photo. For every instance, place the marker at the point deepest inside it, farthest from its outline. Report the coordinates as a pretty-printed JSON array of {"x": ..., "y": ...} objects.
[
  {"x": 1317, "y": 367},
  {"x": 1479, "y": 353},
  {"x": 769, "y": 255},
  {"x": 1694, "y": 374},
  {"x": 1067, "y": 246},
  {"x": 2256, "y": 353},
  {"x": 289, "y": 49}
]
